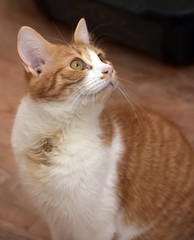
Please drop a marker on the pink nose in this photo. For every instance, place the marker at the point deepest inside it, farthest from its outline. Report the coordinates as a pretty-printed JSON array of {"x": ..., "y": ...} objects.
[{"x": 108, "y": 70}]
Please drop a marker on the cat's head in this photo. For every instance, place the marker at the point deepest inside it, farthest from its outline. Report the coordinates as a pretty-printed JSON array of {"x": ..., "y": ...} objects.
[{"x": 74, "y": 72}]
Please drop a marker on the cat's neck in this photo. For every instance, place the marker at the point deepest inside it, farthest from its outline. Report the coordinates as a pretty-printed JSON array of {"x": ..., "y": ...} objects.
[{"x": 60, "y": 115}]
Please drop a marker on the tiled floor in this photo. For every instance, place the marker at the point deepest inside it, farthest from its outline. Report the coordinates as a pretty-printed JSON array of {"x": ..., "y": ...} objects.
[{"x": 166, "y": 89}]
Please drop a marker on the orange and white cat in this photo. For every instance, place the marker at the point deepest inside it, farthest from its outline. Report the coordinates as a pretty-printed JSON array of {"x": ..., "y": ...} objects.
[{"x": 93, "y": 171}]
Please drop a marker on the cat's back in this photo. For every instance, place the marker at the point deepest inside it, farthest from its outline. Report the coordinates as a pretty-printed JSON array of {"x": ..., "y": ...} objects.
[{"x": 155, "y": 174}]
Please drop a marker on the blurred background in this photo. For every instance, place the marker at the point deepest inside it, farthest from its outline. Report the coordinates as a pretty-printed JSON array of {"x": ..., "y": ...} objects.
[{"x": 151, "y": 47}]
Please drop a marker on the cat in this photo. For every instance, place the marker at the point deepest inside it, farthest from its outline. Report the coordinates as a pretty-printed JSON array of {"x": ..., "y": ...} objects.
[{"x": 93, "y": 171}]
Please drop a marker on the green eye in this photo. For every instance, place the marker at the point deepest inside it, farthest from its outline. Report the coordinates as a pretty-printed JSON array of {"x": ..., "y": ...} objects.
[{"x": 77, "y": 65}]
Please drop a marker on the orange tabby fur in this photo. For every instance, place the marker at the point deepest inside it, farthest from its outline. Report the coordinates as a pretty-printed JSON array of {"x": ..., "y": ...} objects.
[
  {"x": 155, "y": 184},
  {"x": 156, "y": 175}
]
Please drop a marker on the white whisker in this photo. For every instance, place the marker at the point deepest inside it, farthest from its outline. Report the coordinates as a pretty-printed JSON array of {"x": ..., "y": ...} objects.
[
  {"x": 131, "y": 95},
  {"x": 138, "y": 116},
  {"x": 60, "y": 35}
]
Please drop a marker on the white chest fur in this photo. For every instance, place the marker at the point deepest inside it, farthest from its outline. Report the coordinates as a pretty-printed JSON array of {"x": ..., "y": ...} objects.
[{"x": 76, "y": 192}]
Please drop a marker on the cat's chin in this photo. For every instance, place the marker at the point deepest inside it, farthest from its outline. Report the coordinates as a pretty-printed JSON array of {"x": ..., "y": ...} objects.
[
  {"x": 99, "y": 97},
  {"x": 104, "y": 93}
]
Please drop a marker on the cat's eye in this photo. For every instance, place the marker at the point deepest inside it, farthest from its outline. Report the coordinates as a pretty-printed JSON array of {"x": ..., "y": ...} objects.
[
  {"x": 102, "y": 58},
  {"x": 78, "y": 65}
]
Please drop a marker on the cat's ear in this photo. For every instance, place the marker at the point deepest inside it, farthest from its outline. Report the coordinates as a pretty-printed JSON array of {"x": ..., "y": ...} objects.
[
  {"x": 34, "y": 50},
  {"x": 81, "y": 32}
]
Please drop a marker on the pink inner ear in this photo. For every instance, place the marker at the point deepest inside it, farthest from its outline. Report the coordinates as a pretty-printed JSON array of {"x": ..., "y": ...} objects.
[
  {"x": 33, "y": 49},
  {"x": 81, "y": 32}
]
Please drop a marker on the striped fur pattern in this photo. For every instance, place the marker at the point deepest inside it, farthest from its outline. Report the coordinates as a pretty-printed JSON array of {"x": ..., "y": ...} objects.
[{"x": 93, "y": 171}]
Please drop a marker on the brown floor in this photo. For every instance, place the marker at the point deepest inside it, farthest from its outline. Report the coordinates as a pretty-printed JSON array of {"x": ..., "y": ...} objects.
[{"x": 164, "y": 88}]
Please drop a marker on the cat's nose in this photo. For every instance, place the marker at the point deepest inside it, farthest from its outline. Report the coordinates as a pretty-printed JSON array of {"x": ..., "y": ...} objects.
[{"x": 108, "y": 70}]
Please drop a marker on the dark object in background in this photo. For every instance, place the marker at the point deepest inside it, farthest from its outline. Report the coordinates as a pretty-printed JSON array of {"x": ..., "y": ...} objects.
[{"x": 162, "y": 28}]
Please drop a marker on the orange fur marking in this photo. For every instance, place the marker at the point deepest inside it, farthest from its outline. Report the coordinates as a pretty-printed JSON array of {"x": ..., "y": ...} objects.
[
  {"x": 155, "y": 185},
  {"x": 156, "y": 176}
]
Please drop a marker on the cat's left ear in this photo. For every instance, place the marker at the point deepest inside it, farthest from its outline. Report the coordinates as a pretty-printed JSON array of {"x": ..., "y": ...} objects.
[{"x": 81, "y": 34}]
